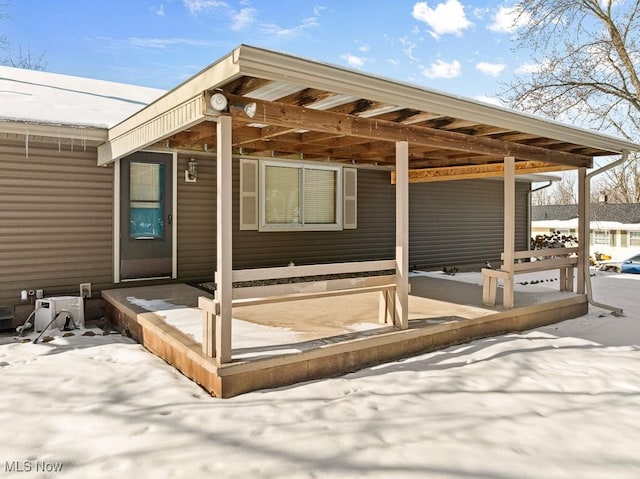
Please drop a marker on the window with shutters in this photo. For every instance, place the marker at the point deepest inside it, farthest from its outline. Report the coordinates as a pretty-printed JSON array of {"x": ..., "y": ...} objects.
[
  {"x": 287, "y": 196},
  {"x": 297, "y": 196}
]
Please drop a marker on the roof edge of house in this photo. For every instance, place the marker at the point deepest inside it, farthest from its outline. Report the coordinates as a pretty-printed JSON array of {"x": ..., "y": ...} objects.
[
  {"x": 289, "y": 68},
  {"x": 54, "y": 130}
]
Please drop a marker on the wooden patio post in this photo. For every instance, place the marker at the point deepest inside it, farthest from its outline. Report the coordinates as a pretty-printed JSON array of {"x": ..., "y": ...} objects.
[
  {"x": 224, "y": 240},
  {"x": 402, "y": 235},
  {"x": 509, "y": 229},
  {"x": 583, "y": 229}
]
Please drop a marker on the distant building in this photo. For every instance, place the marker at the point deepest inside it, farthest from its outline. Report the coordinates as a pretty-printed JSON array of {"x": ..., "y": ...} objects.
[{"x": 614, "y": 229}]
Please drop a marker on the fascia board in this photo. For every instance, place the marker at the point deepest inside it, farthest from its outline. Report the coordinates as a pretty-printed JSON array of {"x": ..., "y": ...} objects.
[
  {"x": 88, "y": 134},
  {"x": 216, "y": 74}
]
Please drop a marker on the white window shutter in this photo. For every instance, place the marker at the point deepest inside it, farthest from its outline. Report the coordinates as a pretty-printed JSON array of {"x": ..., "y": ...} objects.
[
  {"x": 248, "y": 194},
  {"x": 350, "y": 216}
]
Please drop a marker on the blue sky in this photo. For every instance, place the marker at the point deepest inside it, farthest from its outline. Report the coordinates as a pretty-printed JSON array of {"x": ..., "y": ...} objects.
[{"x": 458, "y": 46}]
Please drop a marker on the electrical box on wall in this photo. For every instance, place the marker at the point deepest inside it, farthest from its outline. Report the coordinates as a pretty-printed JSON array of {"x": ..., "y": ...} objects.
[{"x": 47, "y": 309}]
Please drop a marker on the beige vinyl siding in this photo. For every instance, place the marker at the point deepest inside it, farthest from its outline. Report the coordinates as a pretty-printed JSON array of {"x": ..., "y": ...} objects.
[
  {"x": 455, "y": 223},
  {"x": 452, "y": 223},
  {"x": 56, "y": 214},
  {"x": 197, "y": 220}
]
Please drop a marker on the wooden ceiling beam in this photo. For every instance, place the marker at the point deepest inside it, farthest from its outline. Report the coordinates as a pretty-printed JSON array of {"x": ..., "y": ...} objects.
[
  {"x": 202, "y": 131},
  {"x": 294, "y": 117},
  {"x": 306, "y": 97},
  {"x": 420, "y": 118},
  {"x": 244, "y": 85},
  {"x": 478, "y": 171}
]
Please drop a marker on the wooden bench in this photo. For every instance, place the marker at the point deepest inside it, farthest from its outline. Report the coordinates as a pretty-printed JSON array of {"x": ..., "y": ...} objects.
[
  {"x": 563, "y": 259},
  {"x": 361, "y": 279}
]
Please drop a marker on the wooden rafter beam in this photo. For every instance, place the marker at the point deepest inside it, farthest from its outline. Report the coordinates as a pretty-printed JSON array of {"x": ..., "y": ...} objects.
[
  {"x": 294, "y": 117},
  {"x": 203, "y": 131},
  {"x": 477, "y": 171}
]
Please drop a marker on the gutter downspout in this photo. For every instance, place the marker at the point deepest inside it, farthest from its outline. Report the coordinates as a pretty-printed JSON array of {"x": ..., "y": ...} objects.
[
  {"x": 529, "y": 214},
  {"x": 587, "y": 277}
]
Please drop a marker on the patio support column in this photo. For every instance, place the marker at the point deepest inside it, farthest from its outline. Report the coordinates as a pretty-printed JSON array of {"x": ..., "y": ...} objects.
[
  {"x": 583, "y": 228},
  {"x": 402, "y": 235},
  {"x": 509, "y": 229},
  {"x": 224, "y": 240}
]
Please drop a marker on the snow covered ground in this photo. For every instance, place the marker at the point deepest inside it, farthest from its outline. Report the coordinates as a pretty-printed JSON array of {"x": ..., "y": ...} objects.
[{"x": 560, "y": 401}]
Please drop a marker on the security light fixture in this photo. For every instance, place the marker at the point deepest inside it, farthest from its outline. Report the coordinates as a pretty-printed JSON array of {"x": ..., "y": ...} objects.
[
  {"x": 250, "y": 109},
  {"x": 220, "y": 104}
]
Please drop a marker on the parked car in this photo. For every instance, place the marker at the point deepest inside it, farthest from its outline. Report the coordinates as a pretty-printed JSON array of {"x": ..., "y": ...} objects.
[{"x": 631, "y": 265}]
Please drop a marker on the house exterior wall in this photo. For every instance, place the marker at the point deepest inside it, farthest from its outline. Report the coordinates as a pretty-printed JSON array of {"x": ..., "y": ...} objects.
[
  {"x": 197, "y": 220},
  {"x": 452, "y": 223},
  {"x": 56, "y": 215},
  {"x": 456, "y": 223},
  {"x": 56, "y": 212}
]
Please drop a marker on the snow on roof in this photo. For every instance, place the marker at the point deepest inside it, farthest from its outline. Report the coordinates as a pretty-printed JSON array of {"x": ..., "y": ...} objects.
[
  {"x": 595, "y": 225},
  {"x": 43, "y": 97}
]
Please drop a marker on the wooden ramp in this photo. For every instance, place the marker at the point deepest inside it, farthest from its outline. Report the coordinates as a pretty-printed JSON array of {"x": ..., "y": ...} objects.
[{"x": 434, "y": 324}]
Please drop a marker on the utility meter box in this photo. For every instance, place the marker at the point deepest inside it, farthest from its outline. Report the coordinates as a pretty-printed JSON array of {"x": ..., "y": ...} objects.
[{"x": 67, "y": 306}]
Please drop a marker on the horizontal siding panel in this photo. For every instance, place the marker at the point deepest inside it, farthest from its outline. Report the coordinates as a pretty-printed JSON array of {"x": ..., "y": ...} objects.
[
  {"x": 90, "y": 205},
  {"x": 461, "y": 223},
  {"x": 33, "y": 247},
  {"x": 43, "y": 233},
  {"x": 65, "y": 217},
  {"x": 56, "y": 214}
]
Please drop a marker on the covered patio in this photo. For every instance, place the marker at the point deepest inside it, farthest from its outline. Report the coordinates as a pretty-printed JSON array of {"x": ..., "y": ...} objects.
[
  {"x": 256, "y": 104},
  {"x": 282, "y": 343}
]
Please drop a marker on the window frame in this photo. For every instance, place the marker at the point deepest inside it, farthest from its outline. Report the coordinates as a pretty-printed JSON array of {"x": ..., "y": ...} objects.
[
  {"x": 337, "y": 225},
  {"x": 633, "y": 238},
  {"x": 604, "y": 234}
]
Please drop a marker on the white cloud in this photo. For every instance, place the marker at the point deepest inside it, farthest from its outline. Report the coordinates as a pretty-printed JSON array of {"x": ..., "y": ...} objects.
[
  {"x": 447, "y": 17},
  {"x": 160, "y": 43},
  {"x": 492, "y": 100},
  {"x": 158, "y": 11},
  {"x": 509, "y": 19},
  {"x": 273, "y": 29},
  {"x": 408, "y": 47},
  {"x": 479, "y": 13},
  {"x": 364, "y": 48},
  {"x": 528, "y": 68},
  {"x": 245, "y": 17},
  {"x": 491, "y": 69},
  {"x": 242, "y": 19},
  {"x": 317, "y": 10},
  {"x": 354, "y": 60},
  {"x": 442, "y": 69},
  {"x": 195, "y": 6}
]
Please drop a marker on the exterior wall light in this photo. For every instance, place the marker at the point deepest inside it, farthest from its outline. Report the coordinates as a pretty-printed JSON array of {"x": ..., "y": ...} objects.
[{"x": 191, "y": 173}]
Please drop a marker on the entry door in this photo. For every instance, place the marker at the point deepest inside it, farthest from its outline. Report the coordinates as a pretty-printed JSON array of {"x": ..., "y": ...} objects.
[{"x": 146, "y": 216}]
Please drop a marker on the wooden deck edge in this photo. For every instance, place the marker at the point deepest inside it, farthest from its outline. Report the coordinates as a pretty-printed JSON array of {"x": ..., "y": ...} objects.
[
  {"x": 394, "y": 335},
  {"x": 169, "y": 343},
  {"x": 329, "y": 360}
]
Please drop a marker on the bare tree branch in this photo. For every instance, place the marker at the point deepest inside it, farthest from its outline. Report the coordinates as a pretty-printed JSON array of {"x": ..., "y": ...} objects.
[
  {"x": 22, "y": 59},
  {"x": 26, "y": 60},
  {"x": 587, "y": 54}
]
